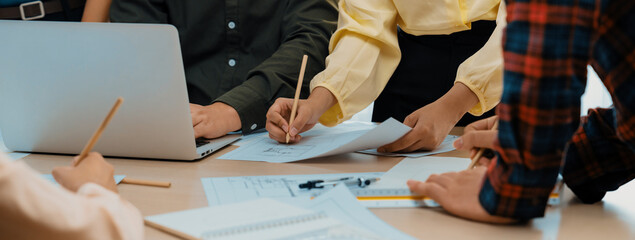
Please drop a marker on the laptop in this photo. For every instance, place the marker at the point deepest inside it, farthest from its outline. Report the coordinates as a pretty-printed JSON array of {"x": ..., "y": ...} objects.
[{"x": 58, "y": 80}]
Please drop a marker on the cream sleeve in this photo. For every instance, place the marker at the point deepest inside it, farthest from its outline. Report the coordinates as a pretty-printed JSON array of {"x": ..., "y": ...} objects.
[
  {"x": 483, "y": 72},
  {"x": 364, "y": 53},
  {"x": 33, "y": 208}
]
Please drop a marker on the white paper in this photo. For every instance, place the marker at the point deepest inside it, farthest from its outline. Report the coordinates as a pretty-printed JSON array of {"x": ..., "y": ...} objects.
[
  {"x": 318, "y": 143},
  {"x": 419, "y": 169},
  {"x": 341, "y": 204},
  {"x": 50, "y": 177},
  {"x": 445, "y": 146},
  {"x": 335, "y": 215},
  {"x": 225, "y": 190}
]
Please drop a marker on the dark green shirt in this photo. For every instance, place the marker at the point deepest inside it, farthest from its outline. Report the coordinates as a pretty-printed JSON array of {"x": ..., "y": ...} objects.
[{"x": 243, "y": 53}]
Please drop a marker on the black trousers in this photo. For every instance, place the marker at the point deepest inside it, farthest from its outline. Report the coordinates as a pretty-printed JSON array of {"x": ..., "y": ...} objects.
[{"x": 428, "y": 70}]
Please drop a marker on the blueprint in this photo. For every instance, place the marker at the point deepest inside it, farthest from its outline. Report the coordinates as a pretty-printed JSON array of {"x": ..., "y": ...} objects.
[
  {"x": 318, "y": 143},
  {"x": 224, "y": 190}
]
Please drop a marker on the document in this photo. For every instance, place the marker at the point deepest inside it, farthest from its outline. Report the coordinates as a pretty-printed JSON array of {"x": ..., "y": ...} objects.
[
  {"x": 225, "y": 190},
  {"x": 50, "y": 177},
  {"x": 341, "y": 204},
  {"x": 446, "y": 146},
  {"x": 318, "y": 143},
  {"x": 419, "y": 169},
  {"x": 335, "y": 215},
  {"x": 12, "y": 155}
]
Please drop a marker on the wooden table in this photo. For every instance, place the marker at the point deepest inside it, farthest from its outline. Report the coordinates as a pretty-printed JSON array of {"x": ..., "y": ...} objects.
[{"x": 614, "y": 218}]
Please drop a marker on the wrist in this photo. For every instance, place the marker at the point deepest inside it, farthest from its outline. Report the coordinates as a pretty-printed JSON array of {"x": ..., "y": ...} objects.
[
  {"x": 232, "y": 119},
  {"x": 321, "y": 99},
  {"x": 458, "y": 101}
]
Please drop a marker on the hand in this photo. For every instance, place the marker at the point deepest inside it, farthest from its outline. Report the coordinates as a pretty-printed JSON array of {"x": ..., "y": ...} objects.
[
  {"x": 92, "y": 169},
  {"x": 307, "y": 115},
  {"x": 478, "y": 135},
  {"x": 214, "y": 120},
  {"x": 278, "y": 126},
  {"x": 431, "y": 123},
  {"x": 457, "y": 193}
]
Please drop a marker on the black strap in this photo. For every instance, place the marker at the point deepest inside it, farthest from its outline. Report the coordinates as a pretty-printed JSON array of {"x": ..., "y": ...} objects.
[{"x": 50, "y": 7}]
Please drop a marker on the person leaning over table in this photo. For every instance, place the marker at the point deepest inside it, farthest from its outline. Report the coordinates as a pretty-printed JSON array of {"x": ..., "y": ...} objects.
[
  {"x": 86, "y": 207},
  {"x": 414, "y": 49},
  {"x": 239, "y": 56},
  {"x": 547, "y": 48},
  {"x": 55, "y": 10}
]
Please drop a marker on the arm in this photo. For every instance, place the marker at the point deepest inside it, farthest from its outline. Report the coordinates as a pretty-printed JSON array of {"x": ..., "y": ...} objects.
[
  {"x": 96, "y": 11},
  {"x": 364, "y": 54},
  {"x": 33, "y": 208},
  {"x": 482, "y": 73},
  {"x": 540, "y": 106},
  {"x": 307, "y": 26}
]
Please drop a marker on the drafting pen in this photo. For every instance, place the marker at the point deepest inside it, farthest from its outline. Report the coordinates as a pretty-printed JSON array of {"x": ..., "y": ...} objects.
[{"x": 360, "y": 182}]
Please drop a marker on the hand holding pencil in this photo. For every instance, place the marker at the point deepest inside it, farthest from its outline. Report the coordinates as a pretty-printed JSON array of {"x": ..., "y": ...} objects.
[{"x": 479, "y": 137}]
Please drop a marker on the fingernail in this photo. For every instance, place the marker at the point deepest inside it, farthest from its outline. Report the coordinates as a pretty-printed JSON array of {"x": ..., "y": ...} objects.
[
  {"x": 458, "y": 143},
  {"x": 381, "y": 150},
  {"x": 285, "y": 128},
  {"x": 294, "y": 131}
]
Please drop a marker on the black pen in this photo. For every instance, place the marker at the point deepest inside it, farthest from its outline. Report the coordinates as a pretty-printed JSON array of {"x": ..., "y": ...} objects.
[{"x": 360, "y": 182}]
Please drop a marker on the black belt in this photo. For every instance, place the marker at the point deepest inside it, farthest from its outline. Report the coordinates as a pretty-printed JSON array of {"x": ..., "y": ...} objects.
[{"x": 37, "y": 9}]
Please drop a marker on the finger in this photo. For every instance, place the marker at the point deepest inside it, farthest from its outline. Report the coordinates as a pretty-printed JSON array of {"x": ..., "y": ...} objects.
[
  {"x": 431, "y": 190},
  {"x": 410, "y": 121},
  {"x": 483, "y": 124},
  {"x": 277, "y": 134},
  {"x": 276, "y": 119},
  {"x": 443, "y": 180},
  {"x": 406, "y": 141},
  {"x": 61, "y": 173},
  {"x": 299, "y": 122},
  {"x": 481, "y": 139}
]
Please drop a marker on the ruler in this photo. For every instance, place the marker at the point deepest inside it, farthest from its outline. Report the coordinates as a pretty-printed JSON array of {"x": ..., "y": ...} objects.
[{"x": 403, "y": 198}]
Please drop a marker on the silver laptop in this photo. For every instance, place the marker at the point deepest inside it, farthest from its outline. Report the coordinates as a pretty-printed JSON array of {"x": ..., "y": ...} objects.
[{"x": 59, "y": 80}]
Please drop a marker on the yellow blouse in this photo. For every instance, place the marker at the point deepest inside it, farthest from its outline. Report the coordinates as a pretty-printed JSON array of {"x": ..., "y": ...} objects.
[{"x": 364, "y": 51}]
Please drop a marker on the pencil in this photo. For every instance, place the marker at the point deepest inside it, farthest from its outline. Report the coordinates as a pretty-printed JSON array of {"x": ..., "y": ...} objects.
[
  {"x": 93, "y": 140},
  {"x": 146, "y": 182},
  {"x": 296, "y": 98},
  {"x": 480, "y": 151}
]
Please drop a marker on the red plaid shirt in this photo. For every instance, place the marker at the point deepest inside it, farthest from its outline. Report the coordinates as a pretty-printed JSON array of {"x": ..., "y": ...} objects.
[{"x": 547, "y": 47}]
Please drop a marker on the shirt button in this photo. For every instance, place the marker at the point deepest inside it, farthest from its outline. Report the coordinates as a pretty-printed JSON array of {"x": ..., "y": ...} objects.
[
  {"x": 231, "y": 62},
  {"x": 254, "y": 126},
  {"x": 231, "y": 25}
]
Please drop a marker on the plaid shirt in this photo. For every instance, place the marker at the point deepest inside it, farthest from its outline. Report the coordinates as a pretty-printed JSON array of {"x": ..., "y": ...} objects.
[{"x": 547, "y": 47}]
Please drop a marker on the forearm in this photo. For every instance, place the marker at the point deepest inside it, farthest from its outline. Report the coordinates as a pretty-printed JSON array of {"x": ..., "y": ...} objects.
[
  {"x": 539, "y": 109},
  {"x": 33, "y": 208},
  {"x": 96, "y": 11}
]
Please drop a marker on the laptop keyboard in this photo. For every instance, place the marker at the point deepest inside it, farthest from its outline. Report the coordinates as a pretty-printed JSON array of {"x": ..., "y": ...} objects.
[{"x": 201, "y": 142}]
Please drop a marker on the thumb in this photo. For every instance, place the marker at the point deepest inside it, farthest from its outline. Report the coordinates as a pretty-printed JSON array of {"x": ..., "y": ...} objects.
[
  {"x": 476, "y": 139},
  {"x": 303, "y": 116},
  {"x": 62, "y": 173}
]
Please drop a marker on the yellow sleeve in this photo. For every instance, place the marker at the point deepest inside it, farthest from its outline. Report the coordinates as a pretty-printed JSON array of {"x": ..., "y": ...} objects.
[
  {"x": 483, "y": 71},
  {"x": 364, "y": 53}
]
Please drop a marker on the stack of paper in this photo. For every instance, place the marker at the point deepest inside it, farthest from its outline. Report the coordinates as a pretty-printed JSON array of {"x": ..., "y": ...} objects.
[{"x": 333, "y": 215}]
